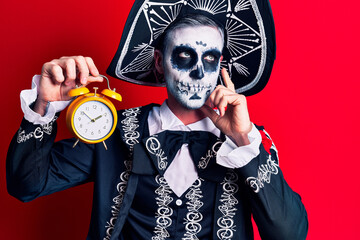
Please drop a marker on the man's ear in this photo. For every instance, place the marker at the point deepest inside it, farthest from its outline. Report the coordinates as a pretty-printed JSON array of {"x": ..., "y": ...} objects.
[{"x": 158, "y": 57}]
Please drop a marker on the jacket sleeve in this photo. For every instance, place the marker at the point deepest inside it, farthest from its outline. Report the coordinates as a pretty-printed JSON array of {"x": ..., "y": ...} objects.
[
  {"x": 36, "y": 166},
  {"x": 277, "y": 210}
]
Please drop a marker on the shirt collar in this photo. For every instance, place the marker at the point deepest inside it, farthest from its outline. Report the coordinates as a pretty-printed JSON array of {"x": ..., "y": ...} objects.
[{"x": 168, "y": 119}]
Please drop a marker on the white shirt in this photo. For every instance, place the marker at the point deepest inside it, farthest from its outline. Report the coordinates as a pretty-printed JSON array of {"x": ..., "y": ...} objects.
[{"x": 181, "y": 173}]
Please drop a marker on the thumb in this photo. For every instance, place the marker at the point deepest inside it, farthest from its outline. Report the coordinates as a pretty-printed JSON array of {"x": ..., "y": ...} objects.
[{"x": 209, "y": 112}]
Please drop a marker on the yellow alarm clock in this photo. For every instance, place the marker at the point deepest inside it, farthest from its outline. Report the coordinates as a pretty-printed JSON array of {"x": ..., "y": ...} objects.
[{"x": 92, "y": 117}]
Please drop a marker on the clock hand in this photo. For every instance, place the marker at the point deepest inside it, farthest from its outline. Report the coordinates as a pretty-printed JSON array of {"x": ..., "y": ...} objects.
[
  {"x": 92, "y": 120},
  {"x": 97, "y": 118}
]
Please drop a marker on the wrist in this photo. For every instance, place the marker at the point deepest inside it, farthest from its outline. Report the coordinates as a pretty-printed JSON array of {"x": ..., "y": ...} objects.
[
  {"x": 41, "y": 106},
  {"x": 241, "y": 138}
]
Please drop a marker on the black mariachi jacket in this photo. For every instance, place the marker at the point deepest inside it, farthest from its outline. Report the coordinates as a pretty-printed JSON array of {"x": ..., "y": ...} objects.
[{"x": 133, "y": 201}]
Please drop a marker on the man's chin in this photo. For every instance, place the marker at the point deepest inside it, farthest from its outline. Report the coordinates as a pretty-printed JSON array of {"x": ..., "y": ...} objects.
[{"x": 192, "y": 104}]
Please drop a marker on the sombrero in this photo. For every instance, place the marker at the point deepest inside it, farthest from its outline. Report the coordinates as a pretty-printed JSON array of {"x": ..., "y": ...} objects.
[{"x": 249, "y": 50}]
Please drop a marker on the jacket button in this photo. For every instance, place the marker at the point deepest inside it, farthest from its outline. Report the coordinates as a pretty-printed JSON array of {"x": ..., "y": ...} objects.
[{"x": 178, "y": 202}]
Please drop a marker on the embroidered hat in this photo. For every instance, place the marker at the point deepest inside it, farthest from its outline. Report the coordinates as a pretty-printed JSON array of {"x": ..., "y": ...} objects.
[{"x": 249, "y": 50}]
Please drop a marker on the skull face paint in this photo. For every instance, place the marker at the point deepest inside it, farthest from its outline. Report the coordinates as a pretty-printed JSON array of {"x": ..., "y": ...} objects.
[{"x": 192, "y": 64}]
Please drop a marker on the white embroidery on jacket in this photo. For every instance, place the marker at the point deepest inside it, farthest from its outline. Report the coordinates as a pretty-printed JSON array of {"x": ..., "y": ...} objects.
[
  {"x": 164, "y": 212},
  {"x": 193, "y": 217},
  {"x": 154, "y": 147},
  {"x": 228, "y": 207},
  {"x": 38, "y": 133},
  {"x": 264, "y": 175},
  {"x": 204, "y": 161},
  {"x": 129, "y": 126}
]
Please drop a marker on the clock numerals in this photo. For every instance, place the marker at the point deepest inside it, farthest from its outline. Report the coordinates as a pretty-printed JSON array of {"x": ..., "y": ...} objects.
[{"x": 94, "y": 120}]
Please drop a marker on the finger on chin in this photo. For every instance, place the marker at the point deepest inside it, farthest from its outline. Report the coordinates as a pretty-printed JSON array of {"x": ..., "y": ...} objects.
[{"x": 209, "y": 112}]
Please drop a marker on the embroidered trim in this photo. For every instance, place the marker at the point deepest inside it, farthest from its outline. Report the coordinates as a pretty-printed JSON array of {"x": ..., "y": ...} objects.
[
  {"x": 193, "y": 217},
  {"x": 38, "y": 133},
  {"x": 264, "y": 175},
  {"x": 262, "y": 46},
  {"x": 227, "y": 208},
  {"x": 129, "y": 126},
  {"x": 154, "y": 147},
  {"x": 211, "y": 6},
  {"x": 164, "y": 212},
  {"x": 242, "y": 5},
  {"x": 204, "y": 161}
]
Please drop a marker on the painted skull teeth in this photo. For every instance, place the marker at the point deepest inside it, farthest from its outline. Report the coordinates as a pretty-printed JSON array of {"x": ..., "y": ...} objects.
[{"x": 192, "y": 88}]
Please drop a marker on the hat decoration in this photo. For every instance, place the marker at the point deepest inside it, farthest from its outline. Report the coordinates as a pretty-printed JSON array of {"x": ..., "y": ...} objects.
[{"x": 249, "y": 50}]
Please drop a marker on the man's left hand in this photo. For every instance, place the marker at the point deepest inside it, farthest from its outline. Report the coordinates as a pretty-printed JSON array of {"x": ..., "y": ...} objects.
[{"x": 233, "y": 120}]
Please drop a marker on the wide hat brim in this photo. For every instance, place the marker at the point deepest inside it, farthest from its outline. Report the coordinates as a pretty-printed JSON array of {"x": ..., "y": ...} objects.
[{"x": 249, "y": 50}]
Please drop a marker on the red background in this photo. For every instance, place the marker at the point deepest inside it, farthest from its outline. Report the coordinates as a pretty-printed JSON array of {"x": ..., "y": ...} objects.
[{"x": 309, "y": 106}]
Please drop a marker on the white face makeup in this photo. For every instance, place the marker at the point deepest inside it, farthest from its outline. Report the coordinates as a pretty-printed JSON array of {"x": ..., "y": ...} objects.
[{"x": 192, "y": 64}]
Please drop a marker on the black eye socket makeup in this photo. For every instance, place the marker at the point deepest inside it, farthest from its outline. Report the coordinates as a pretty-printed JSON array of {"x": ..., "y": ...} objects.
[
  {"x": 183, "y": 58},
  {"x": 210, "y": 59}
]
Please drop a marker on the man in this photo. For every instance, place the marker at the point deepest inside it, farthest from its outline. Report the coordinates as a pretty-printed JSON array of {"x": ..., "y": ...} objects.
[{"x": 202, "y": 182}]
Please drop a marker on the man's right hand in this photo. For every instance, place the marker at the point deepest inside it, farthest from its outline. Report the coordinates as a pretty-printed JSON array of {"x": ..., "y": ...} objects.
[{"x": 59, "y": 76}]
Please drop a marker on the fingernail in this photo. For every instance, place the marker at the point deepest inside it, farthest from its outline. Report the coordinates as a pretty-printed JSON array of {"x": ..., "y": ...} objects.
[{"x": 83, "y": 80}]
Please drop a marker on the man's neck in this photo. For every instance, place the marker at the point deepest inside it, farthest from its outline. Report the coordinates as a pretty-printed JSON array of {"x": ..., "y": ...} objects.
[{"x": 186, "y": 116}]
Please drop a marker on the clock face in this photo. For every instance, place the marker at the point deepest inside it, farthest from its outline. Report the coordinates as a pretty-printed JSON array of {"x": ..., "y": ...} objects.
[{"x": 93, "y": 120}]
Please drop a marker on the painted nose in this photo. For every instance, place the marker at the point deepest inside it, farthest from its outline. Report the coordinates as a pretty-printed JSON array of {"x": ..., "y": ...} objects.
[{"x": 197, "y": 73}]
